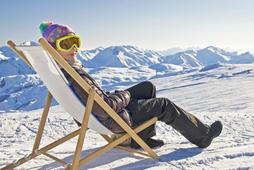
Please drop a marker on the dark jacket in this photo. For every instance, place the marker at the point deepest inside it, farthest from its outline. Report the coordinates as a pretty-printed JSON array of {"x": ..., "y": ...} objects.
[{"x": 117, "y": 100}]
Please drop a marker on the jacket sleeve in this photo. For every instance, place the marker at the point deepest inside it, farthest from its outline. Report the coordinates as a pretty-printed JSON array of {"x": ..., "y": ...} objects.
[{"x": 118, "y": 100}]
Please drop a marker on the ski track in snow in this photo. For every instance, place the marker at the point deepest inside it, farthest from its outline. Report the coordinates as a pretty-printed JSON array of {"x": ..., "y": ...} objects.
[{"x": 209, "y": 96}]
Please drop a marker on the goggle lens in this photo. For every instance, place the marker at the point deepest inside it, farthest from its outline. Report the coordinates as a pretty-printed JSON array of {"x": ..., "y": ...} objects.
[{"x": 68, "y": 43}]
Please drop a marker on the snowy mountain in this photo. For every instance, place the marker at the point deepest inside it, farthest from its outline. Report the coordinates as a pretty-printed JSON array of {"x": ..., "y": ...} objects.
[
  {"x": 186, "y": 59},
  {"x": 29, "y": 43},
  {"x": 212, "y": 55},
  {"x": 124, "y": 56},
  {"x": 244, "y": 58},
  {"x": 2, "y": 57},
  {"x": 172, "y": 51},
  {"x": 21, "y": 92},
  {"x": 208, "y": 56},
  {"x": 21, "y": 88},
  {"x": 11, "y": 64},
  {"x": 85, "y": 55}
]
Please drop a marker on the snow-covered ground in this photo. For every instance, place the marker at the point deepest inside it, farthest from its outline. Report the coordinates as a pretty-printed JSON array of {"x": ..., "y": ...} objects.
[{"x": 217, "y": 92}]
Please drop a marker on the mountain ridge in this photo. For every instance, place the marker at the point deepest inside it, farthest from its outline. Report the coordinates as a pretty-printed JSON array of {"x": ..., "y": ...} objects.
[{"x": 115, "y": 66}]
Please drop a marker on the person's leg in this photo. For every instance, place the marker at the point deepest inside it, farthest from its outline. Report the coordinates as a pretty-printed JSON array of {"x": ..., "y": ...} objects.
[
  {"x": 166, "y": 111},
  {"x": 143, "y": 90}
]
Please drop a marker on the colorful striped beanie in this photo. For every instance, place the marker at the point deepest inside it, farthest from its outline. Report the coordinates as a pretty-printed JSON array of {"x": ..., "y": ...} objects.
[{"x": 51, "y": 31}]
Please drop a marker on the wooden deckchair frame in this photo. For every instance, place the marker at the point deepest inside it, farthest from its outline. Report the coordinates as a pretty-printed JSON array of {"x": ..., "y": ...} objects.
[{"x": 81, "y": 132}]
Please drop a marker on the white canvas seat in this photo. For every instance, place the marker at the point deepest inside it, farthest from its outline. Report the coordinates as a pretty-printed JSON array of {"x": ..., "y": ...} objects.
[{"x": 58, "y": 86}]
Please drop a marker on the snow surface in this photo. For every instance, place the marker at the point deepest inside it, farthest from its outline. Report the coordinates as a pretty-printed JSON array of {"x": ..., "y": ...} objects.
[{"x": 216, "y": 92}]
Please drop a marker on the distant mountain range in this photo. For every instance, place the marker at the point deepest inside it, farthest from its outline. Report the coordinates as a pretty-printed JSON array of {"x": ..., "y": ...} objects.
[
  {"x": 123, "y": 56},
  {"x": 21, "y": 88},
  {"x": 130, "y": 56}
]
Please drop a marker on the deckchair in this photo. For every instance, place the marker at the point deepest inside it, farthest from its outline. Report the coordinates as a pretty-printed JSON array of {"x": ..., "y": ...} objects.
[{"x": 45, "y": 60}]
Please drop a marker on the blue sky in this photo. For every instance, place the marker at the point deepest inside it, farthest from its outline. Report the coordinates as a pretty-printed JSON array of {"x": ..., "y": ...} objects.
[{"x": 150, "y": 24}]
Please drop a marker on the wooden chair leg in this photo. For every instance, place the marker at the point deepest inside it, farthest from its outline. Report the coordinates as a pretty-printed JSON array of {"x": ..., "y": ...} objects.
[
  {"x": 42, "y": 122},
  {"x": 117, "y": 142},
  {"x": 88, "y": 110},
  {"x": 127, "y": 128},
  {"x": 41, "y": 151},
  {"x": 107, "y": 138}
]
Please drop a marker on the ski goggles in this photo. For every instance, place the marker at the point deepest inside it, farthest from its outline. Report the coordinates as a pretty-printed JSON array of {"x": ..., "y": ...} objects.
[{"x": 68, "y": 42}]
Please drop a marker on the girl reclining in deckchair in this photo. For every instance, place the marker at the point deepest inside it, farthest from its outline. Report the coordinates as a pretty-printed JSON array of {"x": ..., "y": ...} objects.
[{"x": 136, "y": 104}]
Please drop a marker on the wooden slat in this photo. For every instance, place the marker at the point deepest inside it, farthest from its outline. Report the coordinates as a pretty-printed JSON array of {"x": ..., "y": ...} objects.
[
  {"x": 83, "y": 129},
  {"x": 117, "y": 142},
  {"x": 55, "y": 158},
  {"x": 106, "y": 137}
]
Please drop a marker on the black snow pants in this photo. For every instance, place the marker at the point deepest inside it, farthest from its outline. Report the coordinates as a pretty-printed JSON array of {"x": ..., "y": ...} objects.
[{"x": 144, "y": 105}]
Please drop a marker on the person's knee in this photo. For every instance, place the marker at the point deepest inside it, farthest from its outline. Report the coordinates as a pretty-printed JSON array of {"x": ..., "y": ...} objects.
[
  {"x": 149, "y": 83},
  {"x": 151, "y": 87}
]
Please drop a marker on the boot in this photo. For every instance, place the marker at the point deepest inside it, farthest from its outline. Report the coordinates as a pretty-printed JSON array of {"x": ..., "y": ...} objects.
[{"x": 214, "y": 131}]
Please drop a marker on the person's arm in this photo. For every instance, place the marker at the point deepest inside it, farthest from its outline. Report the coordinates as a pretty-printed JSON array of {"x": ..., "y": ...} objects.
[{"x": 118, "y": 100}]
